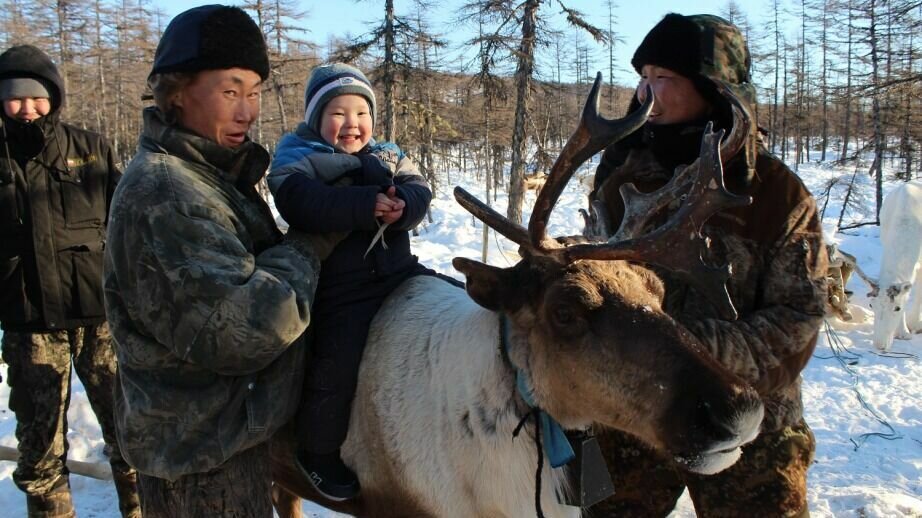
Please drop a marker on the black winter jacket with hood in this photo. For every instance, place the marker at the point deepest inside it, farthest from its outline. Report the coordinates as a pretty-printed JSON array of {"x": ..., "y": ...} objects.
[{"x": 56, "y": 182}]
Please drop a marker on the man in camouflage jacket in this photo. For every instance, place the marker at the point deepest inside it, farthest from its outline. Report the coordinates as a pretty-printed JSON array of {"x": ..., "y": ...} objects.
[
  {"x": 56, "y": 181},
  {"x": 206, "y": 299},
  {"x": 774, "y": 247}
]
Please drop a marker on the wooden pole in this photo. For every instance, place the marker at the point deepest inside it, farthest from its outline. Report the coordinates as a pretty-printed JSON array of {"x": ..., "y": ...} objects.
[{"x": 97, "y": 470}]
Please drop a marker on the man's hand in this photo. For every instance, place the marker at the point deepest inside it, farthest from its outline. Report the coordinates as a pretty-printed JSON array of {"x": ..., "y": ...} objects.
[
  {"x": 388, "y": 207},
  {"x": 321, "y": 245}
]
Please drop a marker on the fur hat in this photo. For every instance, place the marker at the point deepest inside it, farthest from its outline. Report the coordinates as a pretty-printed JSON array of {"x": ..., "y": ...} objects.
[
  {"x": 17, "y": 87},
  {"x": 212, "y": 37},
  {"x": 705, "y": 49},
  {"x": 329, "y": 81},
  {"x": 701, "y": 47}
]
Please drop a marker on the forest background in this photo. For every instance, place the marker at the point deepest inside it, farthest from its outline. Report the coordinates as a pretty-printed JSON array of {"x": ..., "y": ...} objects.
[{"x": 497, "y": 85}]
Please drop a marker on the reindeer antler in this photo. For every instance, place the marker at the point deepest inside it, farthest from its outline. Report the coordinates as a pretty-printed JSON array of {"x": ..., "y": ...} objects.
[
  {"x": 593, "y": 134},
  {"x": 639, "y": 207},
  {"x": 677, "y": 244},
  {"x": 480, "y": 210}
]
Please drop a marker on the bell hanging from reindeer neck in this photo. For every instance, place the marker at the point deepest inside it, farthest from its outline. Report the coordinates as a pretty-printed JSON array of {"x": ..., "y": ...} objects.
[{"x": 590, "y": 482}]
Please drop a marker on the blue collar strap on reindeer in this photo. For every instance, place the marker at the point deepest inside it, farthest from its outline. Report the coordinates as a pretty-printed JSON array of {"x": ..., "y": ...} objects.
[
  {"x": 590, "y": 481},
  {"x": 556, "y": 445}
]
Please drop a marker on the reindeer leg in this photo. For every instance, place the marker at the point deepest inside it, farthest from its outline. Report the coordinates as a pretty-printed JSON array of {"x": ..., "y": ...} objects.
[
  {"x": 914, "y": 306},
  {"x": 286, "y": 503}
]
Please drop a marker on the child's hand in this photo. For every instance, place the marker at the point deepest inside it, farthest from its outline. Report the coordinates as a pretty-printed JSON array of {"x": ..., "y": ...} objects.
[{"x": 388, "y": 206}]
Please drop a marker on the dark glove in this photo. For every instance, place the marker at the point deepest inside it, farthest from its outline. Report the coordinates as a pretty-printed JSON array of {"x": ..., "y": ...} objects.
[{"x": 375, "y": 171}]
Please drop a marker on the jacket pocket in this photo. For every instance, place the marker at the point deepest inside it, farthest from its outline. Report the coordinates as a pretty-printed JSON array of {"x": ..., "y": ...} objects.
[
  {"x": 83, "y": 197},
  {"x": 82, "y": 282}
]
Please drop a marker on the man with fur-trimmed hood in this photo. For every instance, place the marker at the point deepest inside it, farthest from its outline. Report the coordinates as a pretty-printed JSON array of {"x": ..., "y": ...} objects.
[
  {"x": 56, "y": 182},
  {"x": 774, "y": 247},
  {"x": 206, "y": 299}
]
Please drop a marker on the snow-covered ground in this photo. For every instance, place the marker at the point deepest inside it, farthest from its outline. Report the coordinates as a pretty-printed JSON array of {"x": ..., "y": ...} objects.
[{"x": 850, "y": 389}]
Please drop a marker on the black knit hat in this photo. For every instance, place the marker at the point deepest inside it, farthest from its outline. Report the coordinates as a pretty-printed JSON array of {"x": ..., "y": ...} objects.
[
  {"x": 212, "y": 37},
  {"x": 701, "y": 47},
  {"x": 332, "y": 80}
]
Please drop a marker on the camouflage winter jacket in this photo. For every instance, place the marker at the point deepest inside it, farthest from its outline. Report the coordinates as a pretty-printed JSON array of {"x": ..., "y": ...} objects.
[
  {"x": 777, "y": 285},
  {"x": 206, "y": 302}
]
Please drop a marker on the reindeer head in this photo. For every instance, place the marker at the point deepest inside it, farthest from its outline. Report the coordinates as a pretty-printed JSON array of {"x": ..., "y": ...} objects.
[
  {"x": 889, "y": 315},
  {"x": 588, "y": 326}
]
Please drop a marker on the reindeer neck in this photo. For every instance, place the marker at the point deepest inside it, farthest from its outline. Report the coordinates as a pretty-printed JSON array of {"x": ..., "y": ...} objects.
[{"x": 556, "y": 446}]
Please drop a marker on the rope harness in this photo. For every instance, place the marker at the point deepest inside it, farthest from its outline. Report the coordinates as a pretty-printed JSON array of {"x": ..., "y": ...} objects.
[{"x": 556, "y": 445}]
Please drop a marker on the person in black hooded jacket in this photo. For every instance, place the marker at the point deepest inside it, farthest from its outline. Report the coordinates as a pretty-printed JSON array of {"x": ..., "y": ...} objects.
[{"x": 56, "y": 182}]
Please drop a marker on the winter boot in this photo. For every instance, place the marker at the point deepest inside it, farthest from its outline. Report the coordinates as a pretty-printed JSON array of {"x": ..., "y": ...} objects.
[
  {"x": 55, "y": 504},
  {"x": 329, "y": 475}
]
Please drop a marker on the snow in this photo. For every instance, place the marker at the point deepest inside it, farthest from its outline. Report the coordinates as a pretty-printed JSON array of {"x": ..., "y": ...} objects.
[{"x": 865, "y": 407}]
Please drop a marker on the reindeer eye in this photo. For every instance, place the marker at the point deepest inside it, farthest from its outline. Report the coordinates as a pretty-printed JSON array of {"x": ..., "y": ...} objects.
[
  {"x": 896, "y": 308},
  {"x": 563, "y": 315},
  {"x": 567, "y": 320}
]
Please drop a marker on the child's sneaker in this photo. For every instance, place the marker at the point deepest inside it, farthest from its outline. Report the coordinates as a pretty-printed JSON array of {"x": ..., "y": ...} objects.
[{"x": 329, "y": 475}]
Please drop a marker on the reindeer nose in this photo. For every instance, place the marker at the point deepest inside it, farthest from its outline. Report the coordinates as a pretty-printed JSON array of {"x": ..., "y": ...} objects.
[
  {"x": 727, "y": 422},
  {"x": 711, "y": 422}
]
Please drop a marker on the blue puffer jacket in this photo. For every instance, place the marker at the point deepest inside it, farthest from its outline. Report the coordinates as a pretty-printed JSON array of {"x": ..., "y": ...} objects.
[{"x": 319, "y": 190}]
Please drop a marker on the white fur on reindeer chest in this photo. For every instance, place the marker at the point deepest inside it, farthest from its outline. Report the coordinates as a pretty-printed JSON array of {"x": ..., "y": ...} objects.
[{"x": 435, "y": 410}]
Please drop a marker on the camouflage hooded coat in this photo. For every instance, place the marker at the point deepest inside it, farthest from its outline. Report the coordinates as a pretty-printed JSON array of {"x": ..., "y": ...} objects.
[
  {"x": 206, "y": 303},
  {"x": 774, "y": 245}
]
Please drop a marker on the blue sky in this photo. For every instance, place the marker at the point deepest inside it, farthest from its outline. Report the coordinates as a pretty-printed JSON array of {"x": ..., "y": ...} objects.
[{"x": 345, "y": 18}]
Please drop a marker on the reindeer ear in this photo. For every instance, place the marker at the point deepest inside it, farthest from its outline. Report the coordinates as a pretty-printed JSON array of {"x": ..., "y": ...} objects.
[{"x": 491, "y": 287}]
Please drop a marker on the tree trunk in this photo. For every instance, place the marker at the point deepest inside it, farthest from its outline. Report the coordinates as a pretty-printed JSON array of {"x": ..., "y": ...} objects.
[
  {"x": 784, "y": 110},
  {"x": 848, "y": 85},
  {"x": 497, "y": 161},
  {"x": 773, "y": 132},
  {"x": 389, "y": 121},
  {"x": 523, "y": 75},
  {"x": 906, "y": 138},
  {"x": 824, "y": 87},
  {"x": 100, "y": 75},
  {"x": 876, "y": 165}
]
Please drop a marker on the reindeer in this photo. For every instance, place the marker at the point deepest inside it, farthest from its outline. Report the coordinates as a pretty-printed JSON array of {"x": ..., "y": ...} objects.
[
  {"x": 581, "y": 325},
  {"x": 841, "y": 266},
  {"x": 534, "y": 182},
  {"x": 896, "y": 313}
]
